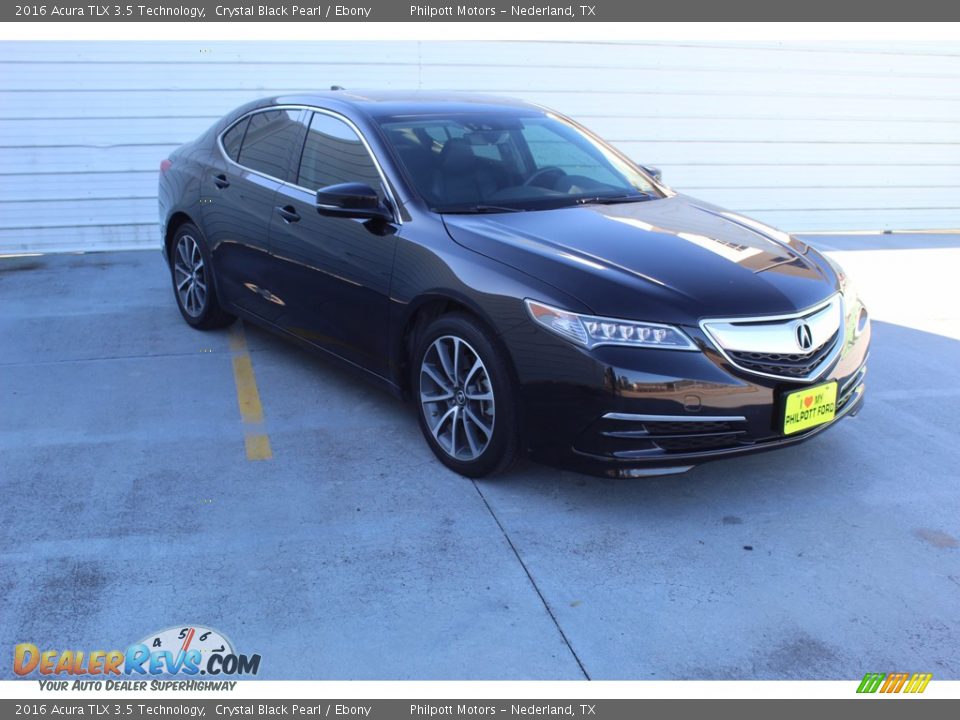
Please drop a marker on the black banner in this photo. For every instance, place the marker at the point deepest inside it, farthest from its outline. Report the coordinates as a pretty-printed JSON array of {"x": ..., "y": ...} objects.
[
  {"x": 483, "y": 11},
  {"x": 852, "y": 709}
]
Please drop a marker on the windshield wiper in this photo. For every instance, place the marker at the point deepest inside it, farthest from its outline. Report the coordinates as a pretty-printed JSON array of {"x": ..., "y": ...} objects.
[
  {"x": 611, "y": 199},
  {"x": 477, "y": 209},
  {"x": 590, "y": 200}
]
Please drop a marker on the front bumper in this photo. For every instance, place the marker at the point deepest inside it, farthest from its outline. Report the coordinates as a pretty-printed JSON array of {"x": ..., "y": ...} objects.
[{"x": 631, "y": 412}]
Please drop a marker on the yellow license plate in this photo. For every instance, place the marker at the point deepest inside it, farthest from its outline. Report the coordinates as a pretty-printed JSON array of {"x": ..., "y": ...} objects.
[{"x": 804, "y": 409}]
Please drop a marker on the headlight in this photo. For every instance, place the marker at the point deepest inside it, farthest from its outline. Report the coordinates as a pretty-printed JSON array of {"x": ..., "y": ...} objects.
[{"x": 591, "y": 331}]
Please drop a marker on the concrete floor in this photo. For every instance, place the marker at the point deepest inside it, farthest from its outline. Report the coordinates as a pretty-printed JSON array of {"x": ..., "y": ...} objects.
[{"x": 129, "y": 505}]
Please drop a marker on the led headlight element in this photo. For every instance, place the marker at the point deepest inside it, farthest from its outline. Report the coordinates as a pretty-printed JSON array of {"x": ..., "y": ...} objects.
[{"x": 591, "y": 331}]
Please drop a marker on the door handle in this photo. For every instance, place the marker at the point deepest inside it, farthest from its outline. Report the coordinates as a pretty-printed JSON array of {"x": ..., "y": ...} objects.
[
  {"x": 289, "y": 213},
  {"x": 221, "y": 181}
]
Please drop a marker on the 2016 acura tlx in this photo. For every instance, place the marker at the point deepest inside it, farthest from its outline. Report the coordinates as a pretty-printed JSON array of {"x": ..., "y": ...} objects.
[{"x": 530, "y": 287}]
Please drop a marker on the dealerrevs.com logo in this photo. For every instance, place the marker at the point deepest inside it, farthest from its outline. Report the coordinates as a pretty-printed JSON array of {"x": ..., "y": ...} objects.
[{"x": 183, "y": 650}]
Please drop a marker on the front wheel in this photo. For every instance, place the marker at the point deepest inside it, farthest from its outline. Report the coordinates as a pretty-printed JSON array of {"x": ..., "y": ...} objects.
[{"x": 465, "y": 397}]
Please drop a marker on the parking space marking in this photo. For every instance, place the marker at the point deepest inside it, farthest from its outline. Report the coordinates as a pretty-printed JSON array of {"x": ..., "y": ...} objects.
[
  {"x": 258, "y": 446},
  {"x": 530, "y": 578},
  {"x": 251, "y": 411},
  {"x": 256, "y": 441}
]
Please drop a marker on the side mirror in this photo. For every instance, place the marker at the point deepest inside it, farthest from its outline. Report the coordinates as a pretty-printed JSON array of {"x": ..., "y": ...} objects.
[
  {"x": 654, "y": 172},
  {"x": 351, "y": 200}
]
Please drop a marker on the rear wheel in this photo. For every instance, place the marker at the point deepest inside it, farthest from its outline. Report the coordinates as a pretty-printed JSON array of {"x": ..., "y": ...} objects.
[
  {"x": 193, "y": 282},
  {"x": 465, "y": 398}
]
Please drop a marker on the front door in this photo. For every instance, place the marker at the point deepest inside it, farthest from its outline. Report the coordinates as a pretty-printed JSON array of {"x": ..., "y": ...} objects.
[{"x": 332, "y": 274}]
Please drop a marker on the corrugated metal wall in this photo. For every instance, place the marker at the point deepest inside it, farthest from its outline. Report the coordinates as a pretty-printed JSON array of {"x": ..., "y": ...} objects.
[{"x": 804, "y": 137}]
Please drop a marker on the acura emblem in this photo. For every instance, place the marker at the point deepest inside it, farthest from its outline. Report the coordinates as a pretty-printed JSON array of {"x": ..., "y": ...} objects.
[{"x": 804, "y": 336}]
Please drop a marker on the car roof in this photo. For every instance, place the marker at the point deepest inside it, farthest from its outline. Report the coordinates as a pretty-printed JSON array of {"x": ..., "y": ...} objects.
[{"x": 387, "y": 103}]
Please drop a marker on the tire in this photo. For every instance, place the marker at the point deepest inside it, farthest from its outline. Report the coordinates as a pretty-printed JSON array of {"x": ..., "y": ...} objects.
[
  {"x": 193, "y": 285},
  {"x": 469, "y": 422}
]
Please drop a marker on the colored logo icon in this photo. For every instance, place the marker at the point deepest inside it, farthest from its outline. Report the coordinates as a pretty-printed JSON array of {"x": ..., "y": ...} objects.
[{"x": 894, "y": 683}]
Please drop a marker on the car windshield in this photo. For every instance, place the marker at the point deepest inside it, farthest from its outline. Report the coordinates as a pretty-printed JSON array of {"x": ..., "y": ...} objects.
[{"x": 473, "y": 163}]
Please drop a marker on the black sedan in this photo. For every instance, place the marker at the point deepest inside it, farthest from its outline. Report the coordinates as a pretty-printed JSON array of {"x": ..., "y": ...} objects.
[{"x": 530, "y": 287}]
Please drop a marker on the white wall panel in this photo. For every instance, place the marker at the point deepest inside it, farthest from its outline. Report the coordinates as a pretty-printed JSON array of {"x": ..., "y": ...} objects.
[
  {"x": 41, "y": 187},
  {"x": 78, "y": 212},
  {"x": 86, "y": 131},
  {"x": 809, "y": 137},
  {"x": 707, "y": 102},
  {"x": 824, "y": 155},
  {"x": 29, "y": 159}
]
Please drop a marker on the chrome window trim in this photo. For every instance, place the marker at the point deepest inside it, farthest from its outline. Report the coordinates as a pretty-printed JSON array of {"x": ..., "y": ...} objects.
[
  {"x": 395, "y": 206},
  {"x": 818, "y": 371},
  {"x": 631, "y": 417}
]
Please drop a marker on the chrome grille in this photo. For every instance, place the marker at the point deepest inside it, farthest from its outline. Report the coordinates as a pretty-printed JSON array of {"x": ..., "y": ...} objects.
[
  {"x": 687, "y": 428},
  {"x": 798, "y": 347},
  {"x": 794, "y": 365},
  {"x": 695, "y": 443}
]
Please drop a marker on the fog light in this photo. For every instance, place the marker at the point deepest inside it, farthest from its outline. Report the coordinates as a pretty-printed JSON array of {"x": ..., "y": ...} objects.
[{"x": 652, "y": 472}]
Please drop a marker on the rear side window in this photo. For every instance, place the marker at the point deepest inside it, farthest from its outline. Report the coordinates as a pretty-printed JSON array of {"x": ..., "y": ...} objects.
[
  {"x": 232, "y": 139},
  {"x": 269, "y": 142},
  {"x": 333, "y": 153}
]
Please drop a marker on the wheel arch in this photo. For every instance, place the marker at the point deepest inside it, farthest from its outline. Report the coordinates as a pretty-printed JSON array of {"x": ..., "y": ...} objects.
[
  {"x": 176, "y": 220},
  {"x": 420, "y": 313}
]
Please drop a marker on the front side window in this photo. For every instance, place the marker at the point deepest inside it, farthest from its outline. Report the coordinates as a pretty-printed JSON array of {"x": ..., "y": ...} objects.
[
  {"x": 332, "y": 154},
  {"x": 502, "y": 161},
  {"x": 272, "y": 137}
]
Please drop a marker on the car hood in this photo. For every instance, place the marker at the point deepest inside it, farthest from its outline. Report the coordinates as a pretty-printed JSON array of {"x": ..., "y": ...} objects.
[{"x": 669, "y": 260}]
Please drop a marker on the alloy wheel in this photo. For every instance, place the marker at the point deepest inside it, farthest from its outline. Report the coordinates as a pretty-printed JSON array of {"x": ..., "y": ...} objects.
[
  {"x": 456, "y": 396},
  {"x": 190, "y": 276}
]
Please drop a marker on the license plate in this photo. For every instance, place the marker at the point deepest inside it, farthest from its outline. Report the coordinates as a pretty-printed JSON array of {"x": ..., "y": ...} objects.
[{"x": 804, "y": 409}]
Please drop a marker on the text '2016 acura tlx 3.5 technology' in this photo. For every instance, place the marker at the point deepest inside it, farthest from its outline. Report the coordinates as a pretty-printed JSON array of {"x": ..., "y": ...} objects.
[{"x": 527, "y": 285}]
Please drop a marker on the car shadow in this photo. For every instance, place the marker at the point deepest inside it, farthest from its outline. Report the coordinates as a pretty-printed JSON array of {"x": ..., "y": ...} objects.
[
  {"x": 912, "y": 402},
  {"x": 907, "y": 368}
]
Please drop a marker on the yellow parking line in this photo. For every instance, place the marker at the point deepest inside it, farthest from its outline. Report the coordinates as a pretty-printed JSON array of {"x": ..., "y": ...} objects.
[
  {"x": 251, "y": 411},
  {"x": 256, "y": 441},
  {"x": 258, "y": 447}
]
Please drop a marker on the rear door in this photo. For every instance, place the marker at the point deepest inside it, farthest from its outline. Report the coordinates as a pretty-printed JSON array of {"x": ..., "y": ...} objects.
[
  {"x": 258, "y": 155},
  {"x": 333, "y": 274}
]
